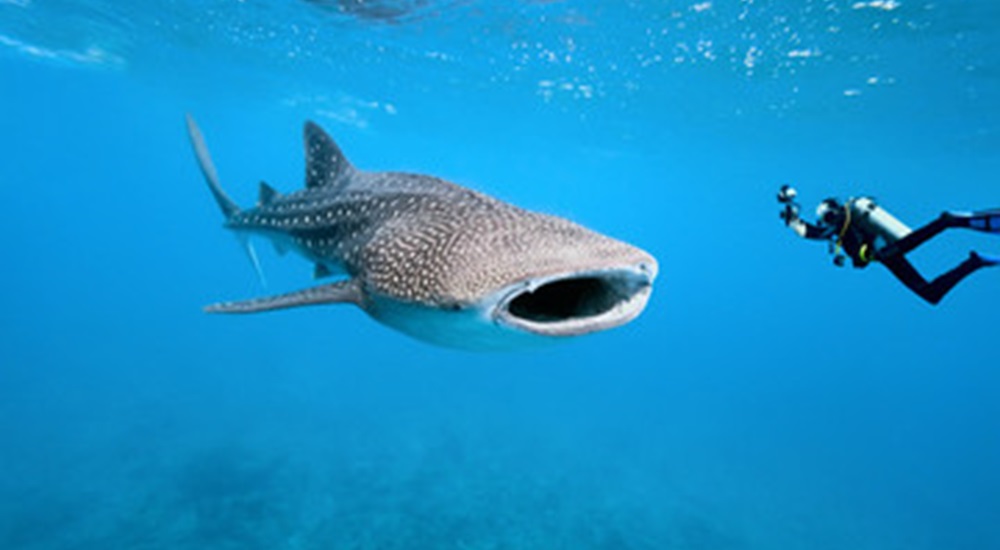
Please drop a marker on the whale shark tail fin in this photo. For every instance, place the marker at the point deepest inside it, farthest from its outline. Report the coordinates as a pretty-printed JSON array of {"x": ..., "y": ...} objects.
[
  {"x": 244, "y": 240},
  {"x": 226, "y": 204}
]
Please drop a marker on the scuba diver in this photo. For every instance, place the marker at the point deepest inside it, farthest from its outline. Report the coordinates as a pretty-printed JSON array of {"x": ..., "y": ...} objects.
[{"x": 863, "y": 231}]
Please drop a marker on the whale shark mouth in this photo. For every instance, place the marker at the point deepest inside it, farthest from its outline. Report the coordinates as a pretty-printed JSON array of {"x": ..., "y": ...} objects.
[{"x": 577, "y": 303}]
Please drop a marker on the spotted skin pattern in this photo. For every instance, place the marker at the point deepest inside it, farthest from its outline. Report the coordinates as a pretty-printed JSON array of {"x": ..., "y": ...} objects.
[{"x": 409, "y": 238}]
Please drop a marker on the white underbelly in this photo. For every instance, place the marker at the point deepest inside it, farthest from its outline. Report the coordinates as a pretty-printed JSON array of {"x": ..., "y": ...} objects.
[{"x": 469, "y": 328}]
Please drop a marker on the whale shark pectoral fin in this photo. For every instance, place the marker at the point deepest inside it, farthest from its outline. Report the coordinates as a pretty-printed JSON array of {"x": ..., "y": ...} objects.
[{"x": 341, "y": 292}]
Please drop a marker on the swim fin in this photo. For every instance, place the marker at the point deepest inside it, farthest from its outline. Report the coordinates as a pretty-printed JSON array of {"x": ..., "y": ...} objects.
[
  {"x": 985, "y": 259},
  {"x": 986, "y": 220}
]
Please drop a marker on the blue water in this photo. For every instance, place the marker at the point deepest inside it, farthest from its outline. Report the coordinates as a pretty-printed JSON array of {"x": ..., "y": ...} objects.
[{"x": 765, "y": 400}]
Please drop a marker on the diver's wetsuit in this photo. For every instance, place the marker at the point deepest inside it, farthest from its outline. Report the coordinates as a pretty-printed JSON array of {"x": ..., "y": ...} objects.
[
  {"x": 860, "y": 242},
  {"x": 837, "y": 228}
]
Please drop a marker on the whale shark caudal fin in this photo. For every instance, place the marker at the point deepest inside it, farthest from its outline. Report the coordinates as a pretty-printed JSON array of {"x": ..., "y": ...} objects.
[
  {"x": 227, "y": 205},
  {"x": 244, "y": 240},
  {"x": 348, "y": 291}
]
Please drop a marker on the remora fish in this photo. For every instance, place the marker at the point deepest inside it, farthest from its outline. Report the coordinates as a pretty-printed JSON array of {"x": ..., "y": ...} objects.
[{"x": 435, "y": 260}]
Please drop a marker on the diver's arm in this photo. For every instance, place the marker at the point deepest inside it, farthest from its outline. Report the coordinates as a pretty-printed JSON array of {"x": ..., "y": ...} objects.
[
  {"x": 790, "y": 214},
  {"x": 809, "y": 231},
  {"x": 802, "y": 228}
]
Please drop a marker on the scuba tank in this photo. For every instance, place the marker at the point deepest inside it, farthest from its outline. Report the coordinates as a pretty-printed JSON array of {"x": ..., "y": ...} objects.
[
  {"x": 865, "y": 230},
  {"x": 873, "y": 220}
]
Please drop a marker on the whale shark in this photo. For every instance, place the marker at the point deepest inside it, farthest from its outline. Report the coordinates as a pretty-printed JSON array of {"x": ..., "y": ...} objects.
[{"x": 437, "y": 261}]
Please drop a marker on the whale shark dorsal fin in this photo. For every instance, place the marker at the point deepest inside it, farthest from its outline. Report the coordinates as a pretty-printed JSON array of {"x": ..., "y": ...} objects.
[
  {"x": 267, "y": 194},
  {"x": 326, "y": 165},
  {"x": 341, "y": 292}
]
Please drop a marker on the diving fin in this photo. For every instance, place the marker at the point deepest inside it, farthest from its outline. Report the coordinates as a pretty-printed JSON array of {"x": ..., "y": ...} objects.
[
  {"x": 986, "y": 220},
  {"x": 347, "y": 291},
  {"x": 985, "y": 259}
]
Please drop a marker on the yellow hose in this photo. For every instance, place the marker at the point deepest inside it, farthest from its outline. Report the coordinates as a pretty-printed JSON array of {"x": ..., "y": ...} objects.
[{"x": 843, "y": 230}]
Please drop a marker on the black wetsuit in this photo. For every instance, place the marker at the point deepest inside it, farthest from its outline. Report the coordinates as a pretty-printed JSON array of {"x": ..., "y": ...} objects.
[
  {"x": 856, "y": 245},
  {"x": 893, "y": 257},
  {"x": 859, "y": 245}
]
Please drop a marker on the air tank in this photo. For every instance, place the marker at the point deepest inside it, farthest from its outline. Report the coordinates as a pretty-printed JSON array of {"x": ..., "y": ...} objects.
[{"x": 874, "y": 220}]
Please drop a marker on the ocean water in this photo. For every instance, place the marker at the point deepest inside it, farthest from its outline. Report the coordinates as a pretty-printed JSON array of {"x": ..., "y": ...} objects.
[{"x": 766, "y": 399}]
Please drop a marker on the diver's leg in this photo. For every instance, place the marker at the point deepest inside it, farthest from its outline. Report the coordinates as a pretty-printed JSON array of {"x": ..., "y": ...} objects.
[
  {"x": 983, "y": 220},
  {"x": 909, "y": 276},
  {"x": 921, "y": 235},
  {"x": 934, "y": 291}
]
